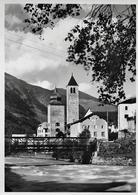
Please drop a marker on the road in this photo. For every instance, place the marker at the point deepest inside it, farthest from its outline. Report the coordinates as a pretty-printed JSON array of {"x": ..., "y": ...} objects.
[{"x": 47, "y": 175}]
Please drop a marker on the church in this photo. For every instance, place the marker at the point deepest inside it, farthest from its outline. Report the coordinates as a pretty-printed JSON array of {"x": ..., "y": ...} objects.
[
  {"x": 60, "y": 115},
  {"x": 66, "y": 117}
]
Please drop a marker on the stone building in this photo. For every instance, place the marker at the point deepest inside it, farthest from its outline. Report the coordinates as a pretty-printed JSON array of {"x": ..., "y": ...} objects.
[
  {"x": 127, "y": 116},
  {"x": 126, "y": 109},
  {"x": 57, "y": 118},
  {"x": 56, "y": 113},
  {"x": 72, "y": 101},
  {"x": 44, "y": 130}
]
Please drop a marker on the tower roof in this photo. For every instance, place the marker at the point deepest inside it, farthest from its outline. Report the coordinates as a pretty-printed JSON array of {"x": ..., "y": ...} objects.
[
  {"x": 72, "y": 81},
  {"x": 55, "y": 98}
]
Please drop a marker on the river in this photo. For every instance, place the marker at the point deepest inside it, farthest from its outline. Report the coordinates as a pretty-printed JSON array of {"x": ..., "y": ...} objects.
[{"x": 47, "y": 175}]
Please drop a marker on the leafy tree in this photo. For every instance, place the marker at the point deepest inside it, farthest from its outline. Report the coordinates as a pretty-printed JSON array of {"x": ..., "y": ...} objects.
[
  {"x": 84, "y": 137},
  {"x": 113, "y": 136},
  {"x": 105, "y": 42},
  {"x": 85, "y": 133},
  {"x": 41, "y": 16}
]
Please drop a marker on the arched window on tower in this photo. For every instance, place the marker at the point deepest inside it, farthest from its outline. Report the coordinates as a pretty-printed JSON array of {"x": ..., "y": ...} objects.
[{"x": 71, "y": 90}]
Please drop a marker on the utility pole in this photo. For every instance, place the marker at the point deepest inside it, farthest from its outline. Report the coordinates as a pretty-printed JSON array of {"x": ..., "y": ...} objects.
[
  {"x": 101, "y": 104},
  {"x": 107, "y": 125}
]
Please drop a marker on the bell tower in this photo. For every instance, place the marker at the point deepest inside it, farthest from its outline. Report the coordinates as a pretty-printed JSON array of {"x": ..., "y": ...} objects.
[{"x": 72, "y": 100}]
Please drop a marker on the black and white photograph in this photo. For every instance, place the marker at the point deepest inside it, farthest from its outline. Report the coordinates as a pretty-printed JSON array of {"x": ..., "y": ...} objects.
[{"x": 70, "y": 96}]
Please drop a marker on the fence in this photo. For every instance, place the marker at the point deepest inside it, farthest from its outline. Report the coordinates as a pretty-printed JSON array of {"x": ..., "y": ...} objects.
[{"x": 39, "y": 144}]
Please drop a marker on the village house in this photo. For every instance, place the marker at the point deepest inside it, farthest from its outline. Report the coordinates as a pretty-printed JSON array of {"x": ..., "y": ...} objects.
[
  {"x": 43, "y": 130},
  {"x": 97, "y": 126},
  {"x": 127, "y": 116}
]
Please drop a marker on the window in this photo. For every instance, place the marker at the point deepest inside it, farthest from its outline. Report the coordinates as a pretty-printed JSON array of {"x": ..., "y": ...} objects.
[
  {"x": 58, "y": 98},
  {"x": 126, "y": 116},
  {"x": 72, "y": 90},
  {"x": 46, "y": 129},
  {"x": 126, "y": 108},
  {"x": 57, "y": 124},
  {"x": 103, "y": 134},
  {"x": 95, "y": 134},
  {"x": 102, "y": 126}
]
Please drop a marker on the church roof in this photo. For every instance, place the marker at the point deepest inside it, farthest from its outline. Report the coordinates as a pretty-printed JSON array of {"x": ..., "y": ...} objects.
[
  {"x": 72, "y": 81},
  {"x": 55, "y": 98},
  {"x": 80, "y": 120}
]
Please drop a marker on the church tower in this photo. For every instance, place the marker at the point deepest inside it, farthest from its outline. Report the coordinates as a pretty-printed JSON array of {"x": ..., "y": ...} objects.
[
  {"x": 72, "y": 100},
  {"x": 56, "y": 113}
]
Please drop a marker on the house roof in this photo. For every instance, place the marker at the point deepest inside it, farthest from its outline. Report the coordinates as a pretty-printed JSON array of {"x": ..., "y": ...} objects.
[
  {"x": 88, "y": 112},
  {"x": 129, "y": 101},
  {"x": 80, "y": 120},
  {"x": 72, "y": 81}
]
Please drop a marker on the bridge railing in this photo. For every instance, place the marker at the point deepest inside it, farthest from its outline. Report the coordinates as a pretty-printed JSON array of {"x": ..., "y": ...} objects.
[{"x": 15, "y": 144}]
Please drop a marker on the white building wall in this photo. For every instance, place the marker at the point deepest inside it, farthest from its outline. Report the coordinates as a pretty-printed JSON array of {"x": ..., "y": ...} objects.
[
  {"x": 123, "y": 112},
  {"x": 41, "y": 130},
  {"x": 96, "y": 126},
  {"x": 75, "y": 130}
]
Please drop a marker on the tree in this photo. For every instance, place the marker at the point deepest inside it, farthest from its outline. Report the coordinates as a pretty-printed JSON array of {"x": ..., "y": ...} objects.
[
  {"x": 84, "y": 136},
  {"x": 40, "y": 16},
  {"x": 105, "y": 43},
  {"x": 85, "y": 133}
]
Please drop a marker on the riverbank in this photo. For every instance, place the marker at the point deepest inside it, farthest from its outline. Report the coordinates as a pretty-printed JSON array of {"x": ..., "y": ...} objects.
[
  {"x": 39, "y": 160},
  {"x": 43, "y": 159}
]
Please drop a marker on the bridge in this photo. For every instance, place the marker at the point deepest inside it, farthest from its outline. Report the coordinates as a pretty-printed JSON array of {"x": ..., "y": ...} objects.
[{"x": 65, "y": 146}]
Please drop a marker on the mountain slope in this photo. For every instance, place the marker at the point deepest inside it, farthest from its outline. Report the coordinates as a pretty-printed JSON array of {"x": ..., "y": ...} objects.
[{"x": 26, "y": 105}]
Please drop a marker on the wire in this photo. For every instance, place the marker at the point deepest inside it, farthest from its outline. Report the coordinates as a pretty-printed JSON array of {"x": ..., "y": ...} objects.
[
  {"x": 42, "y": 44},
  {"x": 17, "y": 42}
]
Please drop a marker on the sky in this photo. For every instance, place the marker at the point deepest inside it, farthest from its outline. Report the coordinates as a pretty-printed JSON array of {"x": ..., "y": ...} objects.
[{"x": 43, "y": 62}]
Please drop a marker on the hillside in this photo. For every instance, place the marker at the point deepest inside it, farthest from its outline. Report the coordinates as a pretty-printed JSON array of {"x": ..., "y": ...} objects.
[{"x": 26, "y": 105}]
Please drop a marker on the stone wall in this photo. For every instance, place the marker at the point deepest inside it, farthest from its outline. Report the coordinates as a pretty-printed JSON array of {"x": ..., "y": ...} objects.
[{"x": 119, "y": 152}]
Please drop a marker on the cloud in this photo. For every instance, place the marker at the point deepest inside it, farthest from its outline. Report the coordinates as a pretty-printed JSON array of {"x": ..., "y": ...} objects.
[
  {"x": 26, "y": 52},
  {"x": 11, "y": 20},
  {"x": 44, "y": 84},
  {"x": 28, "y": 63},
  {"x": 87, "y": 8},
  {"x": 14, "y": 17},
  {"x": 85, "y": 87}
]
